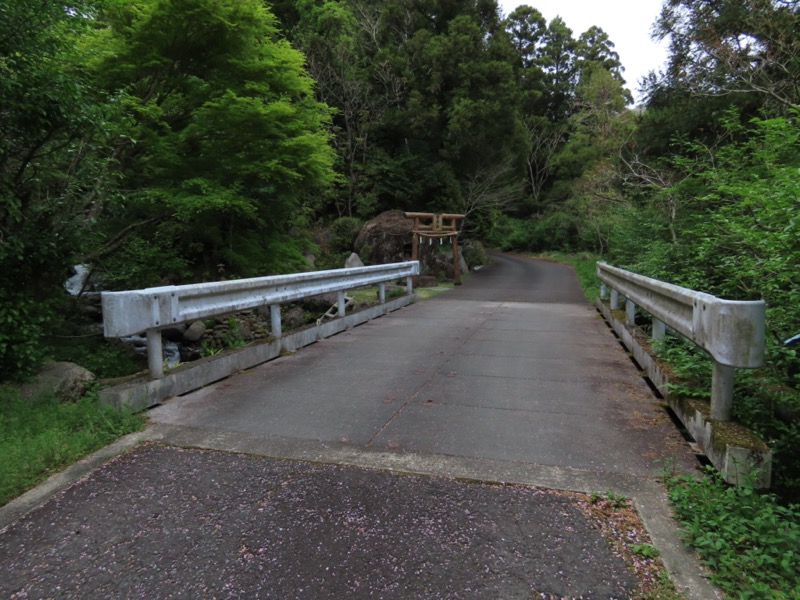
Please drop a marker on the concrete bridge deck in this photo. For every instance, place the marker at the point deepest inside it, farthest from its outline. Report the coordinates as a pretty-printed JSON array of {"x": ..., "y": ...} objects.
[{"x": 512, "y": 377}]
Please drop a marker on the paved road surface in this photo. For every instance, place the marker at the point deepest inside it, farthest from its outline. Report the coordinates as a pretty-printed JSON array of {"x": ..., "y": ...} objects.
[
  {"x": 515, "y": 365},
  {"x": 511, "y": 378}
]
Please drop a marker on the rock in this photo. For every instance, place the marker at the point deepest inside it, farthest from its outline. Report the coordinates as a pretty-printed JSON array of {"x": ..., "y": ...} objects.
[
  {"x": 293, "y": 318},
  {"x": 195, "y": 332},
  {"x": 354, "y": 260},
  {"x": 462, "y": 264},
  {"x": 385, "y": 239},
  {"x": 67, "y": 380},
  {"x": 245, "y": 332},
  {"x": 190, "y": 352},
  {"x": 474, "y": 253}
]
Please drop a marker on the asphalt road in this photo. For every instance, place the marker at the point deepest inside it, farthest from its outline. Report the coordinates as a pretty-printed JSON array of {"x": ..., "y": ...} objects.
[{"x": 407, "y": 458}]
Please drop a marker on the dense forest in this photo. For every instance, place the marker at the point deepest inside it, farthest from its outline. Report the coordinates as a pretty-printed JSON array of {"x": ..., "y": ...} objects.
[{"x": 163, "y": 141}]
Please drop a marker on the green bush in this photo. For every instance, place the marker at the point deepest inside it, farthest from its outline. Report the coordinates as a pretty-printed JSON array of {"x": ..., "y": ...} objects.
[
  {"x": 510, "y": 233},
  {"x": 22, "y": 325},
  {"x": 104, "y": 358},
  {"x": 343, "y": 234},
  {"x": 750, "y": 542},
  {"x": 144, "y": 261}
]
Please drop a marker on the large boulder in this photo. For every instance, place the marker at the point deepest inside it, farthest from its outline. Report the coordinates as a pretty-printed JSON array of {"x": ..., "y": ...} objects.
[
  {"x": 68, "y": 381},
  {"x": 474, "y": 253},
  {"x": 388, "y": 239},
  {"x": 385, "y": 239}
]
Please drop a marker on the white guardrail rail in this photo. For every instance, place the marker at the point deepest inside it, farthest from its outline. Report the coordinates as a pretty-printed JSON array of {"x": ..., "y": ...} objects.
[
  {"x": 153, "y": 309},
  {"x": 731, "y": 331}
]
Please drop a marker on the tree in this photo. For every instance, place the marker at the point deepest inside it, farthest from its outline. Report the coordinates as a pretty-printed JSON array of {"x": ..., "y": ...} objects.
[
  {"x": 557, "y": 60},
  {"x": 421, "y": 91},
  {"x": 594, "y": 47},
  {"x": 735, "y": 46},
  {"x": 226, "y": 146},
  {"x": 527, "y": 28},
  {"x": 50, "y": 170}
]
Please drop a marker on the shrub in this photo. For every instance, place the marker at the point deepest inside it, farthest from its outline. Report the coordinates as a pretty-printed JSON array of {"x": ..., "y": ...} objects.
[{"x": 750, "y": 542}]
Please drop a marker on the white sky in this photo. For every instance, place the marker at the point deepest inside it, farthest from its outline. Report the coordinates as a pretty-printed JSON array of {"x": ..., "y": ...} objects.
[{"x": 627, "y": 23}]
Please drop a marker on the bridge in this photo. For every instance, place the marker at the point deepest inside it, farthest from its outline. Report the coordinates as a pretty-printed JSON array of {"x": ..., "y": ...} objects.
[
  {"x": 515, "y": 366},
  {"x": 512, "y": 378}
]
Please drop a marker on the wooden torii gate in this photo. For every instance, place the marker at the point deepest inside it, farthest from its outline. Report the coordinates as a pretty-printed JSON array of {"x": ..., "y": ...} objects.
[{"x": 430, "y": 225}]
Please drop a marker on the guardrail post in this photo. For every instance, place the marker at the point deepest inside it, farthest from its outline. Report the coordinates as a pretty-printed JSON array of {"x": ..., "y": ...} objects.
[
  {"x": 722, "y": 392},
  {"x": 630, "y": 312},
  {"x": 340, "y": 305},
  {"x": 155, "y": 358},
  {"x": 382, "y": 293},
  {"x": 603, "y": 291},
  {"x": 659, "y": 329},
  {"x": 409, "y": 286},
  {"x": 614, "y": 299},
  {"x": 275, "y": 316}
]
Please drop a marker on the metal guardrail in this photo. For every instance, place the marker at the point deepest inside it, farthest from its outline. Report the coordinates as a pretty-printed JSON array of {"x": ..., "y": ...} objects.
[
  {"x": 731, "y": 331},
  {"x": 153, "y": 309}
]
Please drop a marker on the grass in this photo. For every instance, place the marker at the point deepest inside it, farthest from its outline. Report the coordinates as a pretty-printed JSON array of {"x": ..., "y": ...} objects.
[
  {"x": 40, "y": 437},
  {"x": 750, "y": 542}
]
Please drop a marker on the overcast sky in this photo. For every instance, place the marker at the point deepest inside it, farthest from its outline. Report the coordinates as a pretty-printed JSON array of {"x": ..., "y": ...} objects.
[{"x": 627, "y": 23}]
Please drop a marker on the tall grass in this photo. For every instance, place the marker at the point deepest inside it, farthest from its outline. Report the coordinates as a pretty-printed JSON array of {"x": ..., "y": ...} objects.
[{"x": 39, "y": 437}]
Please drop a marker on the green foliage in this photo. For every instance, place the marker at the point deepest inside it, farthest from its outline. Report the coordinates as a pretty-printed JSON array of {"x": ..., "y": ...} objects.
[
  {"x": 233, "y": 337},
  {"x": 343, "y": 233},
  {"x": 510, "y": 233},
  {"x": 645, "y": 550},
  {"x": 50, "y": 177},
  {"x": 759, "y": 400},
  {"x": 691, "y": 366},
  {"x": 143, "y": 263},
  {"x": 40, "y": 436},
  {"x": 772, "y": 411},
  {"x": 224, "y": 144},
  {"x": 22, "y": 325},
  {"x": 734, "y": 234},
  {"x": 610, "y": 498},
  {"x": 104, "y": 358},
  {"x": 749, "y": 540}
]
